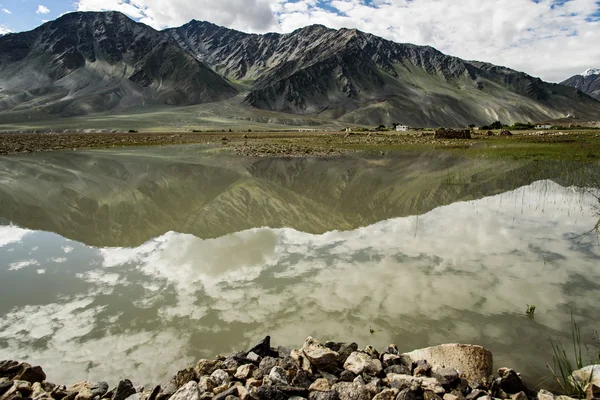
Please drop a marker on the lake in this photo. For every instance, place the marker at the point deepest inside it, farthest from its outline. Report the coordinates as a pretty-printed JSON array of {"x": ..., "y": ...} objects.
[{"x": 136, "y": 262}]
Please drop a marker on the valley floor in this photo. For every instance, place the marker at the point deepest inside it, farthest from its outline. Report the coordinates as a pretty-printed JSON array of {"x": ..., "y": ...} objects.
[{"x": 579, "y": 145}]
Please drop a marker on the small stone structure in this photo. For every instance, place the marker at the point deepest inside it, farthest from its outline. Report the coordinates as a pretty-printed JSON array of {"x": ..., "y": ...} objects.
[
  {"x": 402, "y": 128},
  {"x": 452, "y": 134}
]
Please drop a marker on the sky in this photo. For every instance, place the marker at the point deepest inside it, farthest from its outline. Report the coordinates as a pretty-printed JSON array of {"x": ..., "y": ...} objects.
[{"x": 551, "y": 39}]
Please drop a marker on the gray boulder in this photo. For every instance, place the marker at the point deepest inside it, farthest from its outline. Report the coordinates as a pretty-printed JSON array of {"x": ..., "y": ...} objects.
[
  {"x": 400, "y": 369},
  {"x": 5, "y": 384},
  {"x": 473, "y": 362},
  {"x": 446, "y": 376},
  {"x": 413, "y": 393},
  {"x": 318, "y": 355},
  {"x": 231, "y": 392},
  {"x": 184, "y": 376},
  {"x": 277, "y": 376},
  {"x": 351, "y": 391},
  {"x": 545, "y": 395},
  {"x": 263, "y": 348},
  {"x": 358, "y": 362},
  {"x": 244, "y": 371},
  {"x": 320, "y": 385},
  {"x": 402, "y": 382},
  {"x": 589, "y": 374},
  {"x": 206, "y": 385},
  {"x": 220, "y": 377},
  {"x": 331, "y": 395},
  {"x": 265, "y": 366},
  {"x": 124, "y": 390},
  {"x": 510, "y": 382},
  {"x": 187, "y": 392},
  {"x": 207, "y": 367},
  {"x": 301, "y": 379},
  {"x": 347, "y": 376},
  {"x": 345, "y": 350},
  {"x": 422, "y": 368},
  {"x": 386, "y": 394},
  {"x": 9, "y": 368},
  {"x": 270, "y": 393},
  {"x": 31, "y": 374},
  {"x": 99, "y": 389}
]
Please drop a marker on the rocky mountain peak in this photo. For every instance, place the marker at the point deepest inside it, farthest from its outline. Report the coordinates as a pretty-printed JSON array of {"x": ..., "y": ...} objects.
[
  {"x": 98, "y": 61},
  {"x": 588, "y": 82},
  {"x": 591, "y": 71}
]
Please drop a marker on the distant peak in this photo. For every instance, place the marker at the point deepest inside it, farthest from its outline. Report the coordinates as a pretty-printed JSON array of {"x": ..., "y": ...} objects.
[
  {"x": 591, "y": 71},
  {"x": 312, "y": 28},
  {"x": 196, "y": 22}
]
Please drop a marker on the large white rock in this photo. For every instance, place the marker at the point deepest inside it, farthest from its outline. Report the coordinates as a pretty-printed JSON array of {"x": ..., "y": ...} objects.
[
  {"x": 472, "y": 362},
  {"x": 585, "y": 375},
  {"x": 359, "y": 362},
  {"x": 188, "y": 392},
  {"x": 319, "y": 355}
]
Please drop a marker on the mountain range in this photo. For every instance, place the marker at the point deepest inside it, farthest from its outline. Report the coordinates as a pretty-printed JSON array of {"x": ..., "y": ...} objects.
[
  {"x": 90, "y": 63},
  {"x": 588, "y": 82},
  {"x": 128, "y": 198}
]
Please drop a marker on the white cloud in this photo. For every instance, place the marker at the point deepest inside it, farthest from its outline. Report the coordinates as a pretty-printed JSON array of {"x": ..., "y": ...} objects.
[
  {"x": 122, "y": 354},
  {"x": 8, "y": 233},
  {"x": 521, "y": 34},
  {"x": 42, "y": 10},
  {"x": 6, "y": 11},
  {"x": 247, "y": 15},
  {"x": 22, "y": 264}
]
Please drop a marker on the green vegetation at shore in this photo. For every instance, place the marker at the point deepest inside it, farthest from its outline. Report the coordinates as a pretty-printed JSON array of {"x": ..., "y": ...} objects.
[
  {"x": 579, "y": 145},
  {"x": 576, "y": 146}
]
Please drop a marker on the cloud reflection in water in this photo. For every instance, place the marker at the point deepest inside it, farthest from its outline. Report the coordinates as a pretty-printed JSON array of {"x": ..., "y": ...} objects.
[{"x": 462, "y": 272}]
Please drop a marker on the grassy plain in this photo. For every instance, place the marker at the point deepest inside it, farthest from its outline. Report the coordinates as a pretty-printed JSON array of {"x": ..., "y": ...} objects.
[{"x": 572, "y": 145}]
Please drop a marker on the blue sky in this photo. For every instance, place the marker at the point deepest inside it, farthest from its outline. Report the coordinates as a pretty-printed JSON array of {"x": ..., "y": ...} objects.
[
  {"x": 23, "y": 14},
  {"x": 552, "y": 39}
]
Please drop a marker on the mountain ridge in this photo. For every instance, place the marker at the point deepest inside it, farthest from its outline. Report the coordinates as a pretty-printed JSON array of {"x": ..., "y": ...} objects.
[
  {"x": 345, "y": 75},
  {"x": 104, "y": 57},
  {"x": 588, "y": 82}
]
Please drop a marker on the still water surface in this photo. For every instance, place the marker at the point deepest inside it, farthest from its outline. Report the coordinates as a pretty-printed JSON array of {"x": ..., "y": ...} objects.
[{"x": 136, "y": 263}]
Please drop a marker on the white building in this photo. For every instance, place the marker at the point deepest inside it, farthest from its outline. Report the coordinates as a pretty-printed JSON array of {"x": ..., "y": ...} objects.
[
  {"x": 543, "y": 126},
  {"x": 401, "y": 128}
]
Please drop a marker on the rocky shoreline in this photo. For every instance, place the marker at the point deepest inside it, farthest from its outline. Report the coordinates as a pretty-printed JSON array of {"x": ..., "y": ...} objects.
[{"x": 316, "y": 371}]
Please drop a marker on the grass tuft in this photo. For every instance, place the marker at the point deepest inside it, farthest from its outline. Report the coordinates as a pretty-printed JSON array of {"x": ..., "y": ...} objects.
[{"x": 564, "y": 367}]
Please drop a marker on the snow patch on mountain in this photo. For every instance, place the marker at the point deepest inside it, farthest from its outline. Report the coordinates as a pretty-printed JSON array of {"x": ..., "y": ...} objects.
[{"x": 591, "y": 71}]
